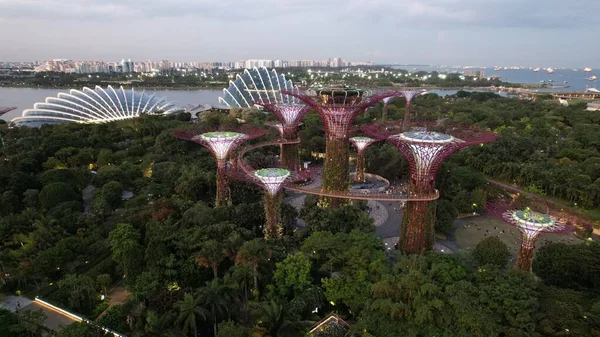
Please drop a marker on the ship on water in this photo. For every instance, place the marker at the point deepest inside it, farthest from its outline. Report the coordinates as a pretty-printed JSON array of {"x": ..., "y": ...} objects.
[
  {"x": 592, "y": 78},
  {"x": 536, "y": 69},
  {"x": 550, "y": 70},
  {"x": 587, "y": 70}
]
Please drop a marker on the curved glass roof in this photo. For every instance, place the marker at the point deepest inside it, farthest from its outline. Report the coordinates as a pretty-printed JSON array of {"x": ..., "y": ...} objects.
[
  {"x": 257, "y": 85},
  {"x": 98, "y": 105}
]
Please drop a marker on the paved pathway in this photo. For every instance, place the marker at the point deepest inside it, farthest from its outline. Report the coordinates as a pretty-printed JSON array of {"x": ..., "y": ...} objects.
[
  {"x": 118, "y": 295},
  {"x": 54, "y": 319}
]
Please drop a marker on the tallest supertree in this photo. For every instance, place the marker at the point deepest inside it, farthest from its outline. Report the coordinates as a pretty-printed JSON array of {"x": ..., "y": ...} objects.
[{"x": 338, "y": 108}]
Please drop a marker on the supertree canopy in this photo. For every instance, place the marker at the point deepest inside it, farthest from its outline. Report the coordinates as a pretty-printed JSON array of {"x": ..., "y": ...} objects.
[
  {"x": 220, "y": 144},
  {"x": 337, "y": 107},
  {"x": 531, "y": 223},
  {"x": 425, "y": 151},
  {"x": 290, "y": 116},
  {"x": 361, "y": 144},
  {"x": 409, "y": 94}
]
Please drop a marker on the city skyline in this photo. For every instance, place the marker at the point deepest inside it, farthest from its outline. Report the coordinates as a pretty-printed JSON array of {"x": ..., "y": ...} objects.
[{"x": 538, "y": 33}]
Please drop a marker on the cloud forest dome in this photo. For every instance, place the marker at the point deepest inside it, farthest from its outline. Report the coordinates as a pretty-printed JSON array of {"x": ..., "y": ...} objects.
[
  {"x": 257, "y": 85},
  {"x": 98, "y": 105}
]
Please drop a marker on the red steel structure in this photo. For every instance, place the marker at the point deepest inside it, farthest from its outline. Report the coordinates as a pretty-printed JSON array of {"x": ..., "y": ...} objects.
[
  {"x": 338, "y": 108},
  {"x": 409, "y": 94},
  {"x": 220, "y": 144},
  {"x": 532, "y": 221},
  {"x": 425, "y": 151},
  {"x": 290, "y": 116},
  {"x": 361, "y": 144}
]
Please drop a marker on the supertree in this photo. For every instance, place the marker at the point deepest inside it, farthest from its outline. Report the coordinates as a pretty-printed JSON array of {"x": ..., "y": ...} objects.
[
  {"x": 532, "y": 221},
  {"x": 337, "y": 107},
  {"x": 385, "y": 108},
  {"x": 220, "y": 143},
  {"x": 409, "y": 94},
  {"x": 425, "y": 151},
  {"x": 290, "y": 116},
  {"x": 361, "y": 144},
  {"x": 272, "y": 180}
]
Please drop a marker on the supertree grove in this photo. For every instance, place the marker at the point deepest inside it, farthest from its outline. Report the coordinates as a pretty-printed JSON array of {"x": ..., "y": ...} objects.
[
  {"x": 220, "y": 144},
  {"x": 361, "y": 144},
  {"x": 337, "y": 107},
  {"x": 425, "y": 151},
  {"x": 289, "y": 116},
  {"x": 532, "y": 221}
]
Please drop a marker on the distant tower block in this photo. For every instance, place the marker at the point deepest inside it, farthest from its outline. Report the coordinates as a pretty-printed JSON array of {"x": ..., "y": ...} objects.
[
  {"x": 361, "y": 144},
  {"x": 220, "y": 143},
  {"x": 337, "y": 107},
  {"x": 272, "y": 180},
  {"x": 530, "y": 223},
  {"x": 385, "y": 108},
  {"x": 425, "y": 151},
  {"x": 290, "y": 116},
  {"x": 409, "y": 94}
]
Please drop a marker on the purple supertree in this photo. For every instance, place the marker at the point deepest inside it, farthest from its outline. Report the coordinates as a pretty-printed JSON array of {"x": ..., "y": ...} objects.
[
  {"x": 385, "y": 108},
  {"x": 532, "y": 221},
  {"x": 425, "y": 151},
  {"x": 272, "y": 180},
  {"x": 409, "y": 94},
  {"x": 337, "y": 108},
  {"x": 290, "y": 116},
  {"x": 361, "y": 144},
  {"x": 220, "y": 144}
]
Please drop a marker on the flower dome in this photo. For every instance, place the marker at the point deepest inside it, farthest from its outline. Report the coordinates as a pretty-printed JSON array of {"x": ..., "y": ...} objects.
[
  {"x": 257, "y": 85},
  {"x": 98, "y": 105}
]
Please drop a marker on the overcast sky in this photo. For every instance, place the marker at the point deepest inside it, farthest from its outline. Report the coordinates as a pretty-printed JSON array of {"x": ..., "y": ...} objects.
[{"x": 466, "y": 32}]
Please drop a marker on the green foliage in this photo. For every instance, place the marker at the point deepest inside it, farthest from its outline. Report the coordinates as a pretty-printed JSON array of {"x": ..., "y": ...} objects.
[
  {"x": 126, "y": 250},
  {"x": 292, "y": 275},
  {"x": 569, "y": 266},
  {"x": 231, "y": 329},
  {"x": 56, "y": 193},
  {"x": 114, "y": 319},
  {"x": 491, "y": 251},
  {"x": 80, "y": 329}
]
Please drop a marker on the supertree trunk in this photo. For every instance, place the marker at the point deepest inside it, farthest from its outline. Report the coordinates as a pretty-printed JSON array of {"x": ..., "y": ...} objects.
[
  {"x": 417, "y": 230},
  {"x": 223, "y": 192},
  {"x": 273, "y": 228},
  {"x": 525, "y": 258},
  {"x": 406, "y": 122},
  {"x": 384, "y": 112},
  {"x": 335, "y": 170},
  {"x": 289, "y": 152},
  {"x": 359, "y": 176}
]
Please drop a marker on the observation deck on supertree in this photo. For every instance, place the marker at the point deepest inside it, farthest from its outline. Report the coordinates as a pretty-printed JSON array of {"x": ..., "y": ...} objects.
[
  {"x": 409, "y": 94},
  {"x": 531, "y": 221},
  {"x": 338, "y": 108},
  {"x": 290, "y": 116},
  {"x": 425, "y": 151},
  {"x": 361, "y": 144},
  {"x": 220, "y": 144}
]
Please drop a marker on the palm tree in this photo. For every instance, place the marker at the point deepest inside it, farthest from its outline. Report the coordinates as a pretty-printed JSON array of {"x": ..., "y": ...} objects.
[
  {"x": 190, "y": 310},
  {"x": 242, "y": 276},
  {"x": 275, "y": 320},
  {"x": 160, "y": 325},
  {"x": 210, "y": 256},
  {"x": 253, "y": 254},
  {"x": 231, "y": 245},
  {"x": 215, "y": 297}
]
